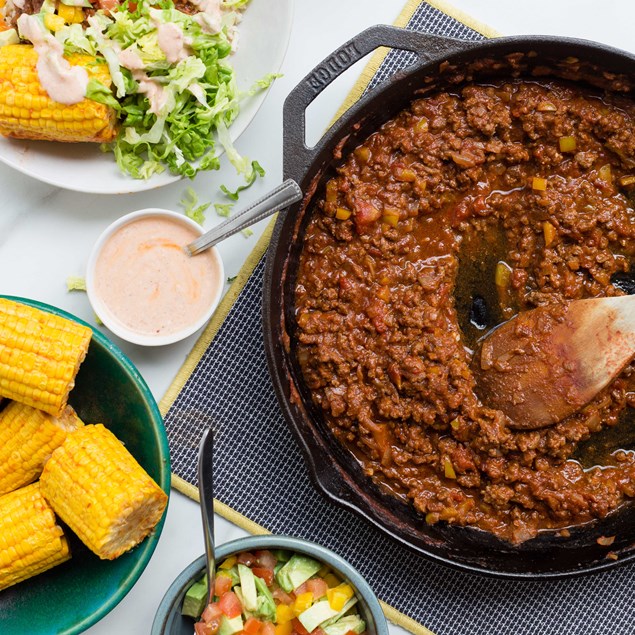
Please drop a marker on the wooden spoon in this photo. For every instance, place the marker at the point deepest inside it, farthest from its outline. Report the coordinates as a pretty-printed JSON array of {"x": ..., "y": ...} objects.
[{"x": 543, "y": 365}]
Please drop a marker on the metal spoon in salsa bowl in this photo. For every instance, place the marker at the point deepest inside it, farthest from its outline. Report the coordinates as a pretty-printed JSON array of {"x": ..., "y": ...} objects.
[{"x": 545, "y": 364}]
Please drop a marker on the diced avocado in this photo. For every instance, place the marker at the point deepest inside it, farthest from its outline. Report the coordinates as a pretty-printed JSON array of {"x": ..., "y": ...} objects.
[
  {"x": 346, "y": 624},
  {"x": 195, "y": 599},
  {"x": 239, "y": 594},
  {"x": 296, "y": 571},
  {"x": 248, "y": 587},
  {"x": 316, "y": 614},
  {"x": 229, "y": 626},
  {"x": 282, "y": 555},
  {"x": 349, "y": 605},
  {"x": 266, "y": 604}
]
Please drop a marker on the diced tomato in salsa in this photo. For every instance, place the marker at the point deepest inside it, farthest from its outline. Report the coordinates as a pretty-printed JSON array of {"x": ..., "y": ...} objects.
[
  {"x": 247, "y": 558},
  {"x": 230, "y": 604},
  {"x": 265, "y": 574},
  {"x": 282, "y": 597},
  {"x": 222, "y": 584},
  {"x": 298, "y": 628},
  {"x": 318, "y": 587},
  {"x": 252, "y": 626},
  {"x": 266, "y": 559},
  {"x": 202, "y": 628},
  {"x": 268, "y": 628},
  {"x": 212, "y": 611}
]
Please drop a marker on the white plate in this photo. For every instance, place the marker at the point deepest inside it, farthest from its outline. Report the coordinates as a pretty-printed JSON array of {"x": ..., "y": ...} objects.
[{"x": 264, "y": 34}]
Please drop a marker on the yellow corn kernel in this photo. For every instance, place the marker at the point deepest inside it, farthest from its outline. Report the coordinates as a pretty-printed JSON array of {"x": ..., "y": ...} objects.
[
  {"x": 338, "y": 596},
  {"x": 383, "y": 293},
  {"x": 87, "y": 120},
  {"x": 502, "y": 275},
  {"x": 79, "y": 16},
  {"x": 40, "y": 354},
  {"x": 332, "y": 580},
  {"x": 53, "y": 22},
  {"x": 100, "y": 491},
  {"x": 66, "y": 12},
  {"x": 422, "y": 125},
  {"x": 567, "y": 144},
  {"x": 284, "y": 628},
  {"x": 31, "y": 541},
  {"x": 284, "y": 614},
  {"x": 302, "y": 602},
  {"x": 331, "y": 191},
  {"x": 549, "y": 232},
  {"x": 362, "y": 154},
  {"x": 342, "y": 213},
  {"x": 605, "y": 173},
  {"x": 228, "y": 563},
  {"x": 390, "y": 219},
  {"x": 406, "y": 175},
  {"x": 538, "y": 184},
  {"x": 448, "y": 468},
  {"x": 27, "y": 439}
]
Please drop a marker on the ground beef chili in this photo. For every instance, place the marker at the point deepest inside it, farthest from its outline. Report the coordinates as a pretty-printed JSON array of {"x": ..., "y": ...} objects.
[{"x": 463, "y": 210}]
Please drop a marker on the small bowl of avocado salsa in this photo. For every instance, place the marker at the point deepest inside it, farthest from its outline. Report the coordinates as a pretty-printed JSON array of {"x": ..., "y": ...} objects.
[{"x": 271, "y": 585}]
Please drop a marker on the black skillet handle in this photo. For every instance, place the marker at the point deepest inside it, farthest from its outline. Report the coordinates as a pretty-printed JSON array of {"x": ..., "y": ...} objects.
[{"x": 297, "y": 155}]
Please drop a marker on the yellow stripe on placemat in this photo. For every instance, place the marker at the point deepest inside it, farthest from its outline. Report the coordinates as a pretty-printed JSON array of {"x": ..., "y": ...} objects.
[{"x": 247, "y": 269}]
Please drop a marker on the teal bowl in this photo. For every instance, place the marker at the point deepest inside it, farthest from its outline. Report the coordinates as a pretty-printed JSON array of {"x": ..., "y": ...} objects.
[
  {"x": 73, "y": 596},
  {"x": 169, "y": 621}
]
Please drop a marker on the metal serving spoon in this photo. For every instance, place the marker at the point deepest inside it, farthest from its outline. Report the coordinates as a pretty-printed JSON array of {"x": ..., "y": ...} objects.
[
  {"x": 206, "y": 496},
  {"x": 543, "y": 365},
  {"x": 282, "y": 196}
]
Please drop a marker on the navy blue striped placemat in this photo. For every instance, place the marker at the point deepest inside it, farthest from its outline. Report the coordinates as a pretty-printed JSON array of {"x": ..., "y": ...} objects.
[{"x": 261, "y": 474}]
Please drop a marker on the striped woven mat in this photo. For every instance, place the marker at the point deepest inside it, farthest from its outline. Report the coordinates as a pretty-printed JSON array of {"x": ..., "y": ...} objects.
[{"x": 262, "y": 484}]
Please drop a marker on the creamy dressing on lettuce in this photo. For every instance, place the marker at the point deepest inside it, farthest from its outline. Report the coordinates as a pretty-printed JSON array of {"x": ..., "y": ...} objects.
[{"x": 173, "y": 87}]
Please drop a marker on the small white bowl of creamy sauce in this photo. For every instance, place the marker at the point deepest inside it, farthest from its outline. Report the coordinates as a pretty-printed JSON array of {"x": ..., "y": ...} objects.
[{"x": 144, "y": 287}]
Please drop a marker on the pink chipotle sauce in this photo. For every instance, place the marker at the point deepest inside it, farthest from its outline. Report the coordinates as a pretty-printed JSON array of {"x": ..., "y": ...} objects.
[{"x": 148, "y": 283}]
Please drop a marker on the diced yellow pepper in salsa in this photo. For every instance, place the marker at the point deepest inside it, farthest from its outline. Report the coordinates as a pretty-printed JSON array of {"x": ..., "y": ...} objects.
[{"x": 339, "y": 596}]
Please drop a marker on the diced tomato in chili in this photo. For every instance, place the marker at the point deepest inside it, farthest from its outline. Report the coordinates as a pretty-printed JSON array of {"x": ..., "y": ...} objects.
[
  {"x": 298, "y": 628},
  {"x": 222, "y": 584},
  {"x": 252, "y": 626},
  {"x": 230, "y": 604},
  {"x": 265, "y": 574}
]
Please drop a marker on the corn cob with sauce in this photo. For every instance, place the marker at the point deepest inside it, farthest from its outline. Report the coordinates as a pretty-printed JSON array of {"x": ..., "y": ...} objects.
[
  {"x": 40, "y": 354},
  {"x": 27, "y": 439},
  {"x": 31, "y": 541},
  {"x": 27, "y": 111},
  {"x": 100, "y": 491}
]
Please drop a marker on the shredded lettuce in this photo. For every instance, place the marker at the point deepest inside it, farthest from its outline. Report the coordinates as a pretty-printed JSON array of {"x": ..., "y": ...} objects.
[
  {"x": 75, "y": 283},
  {"x": 223, "y": 209},
  {"x": 191, "y": 207},
  {"x": 251, "y": 175},
  {"x": 173, "y": 115}
]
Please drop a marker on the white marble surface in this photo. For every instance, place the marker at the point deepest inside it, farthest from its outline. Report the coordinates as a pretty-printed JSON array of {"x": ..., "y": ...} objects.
[{"x": 46, "y": 234}]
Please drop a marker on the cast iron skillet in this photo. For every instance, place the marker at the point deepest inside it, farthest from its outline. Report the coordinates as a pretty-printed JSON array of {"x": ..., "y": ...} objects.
[{"x": 440, "y": 62}]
